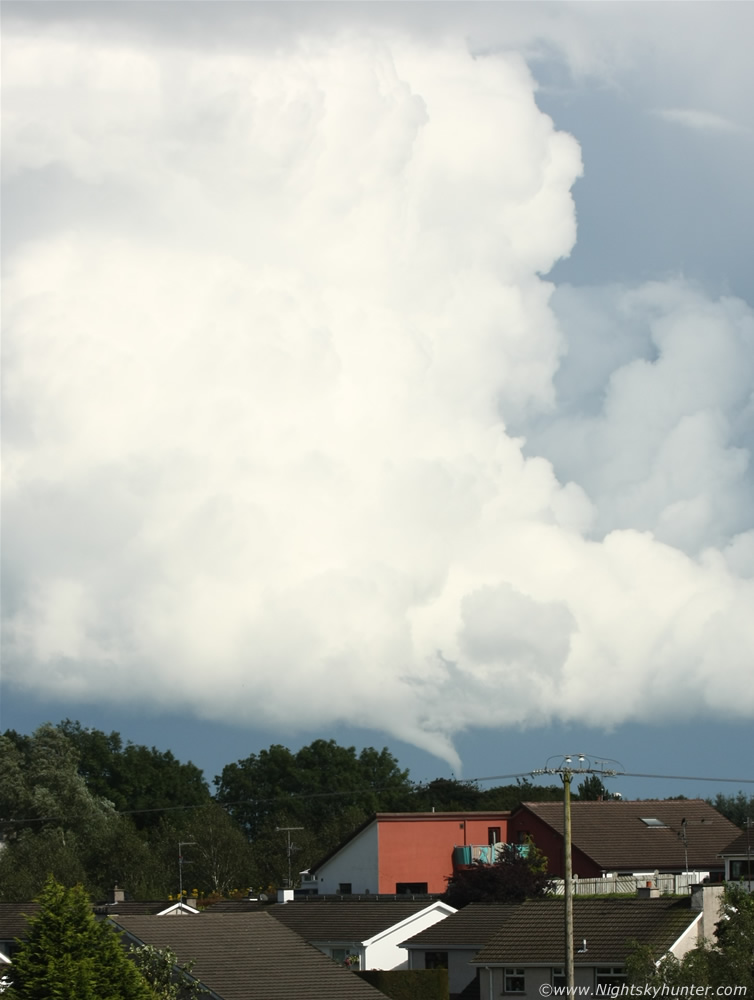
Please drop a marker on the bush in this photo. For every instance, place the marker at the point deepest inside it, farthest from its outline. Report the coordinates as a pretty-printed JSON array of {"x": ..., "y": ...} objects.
[{"x": 409, "y": 984}]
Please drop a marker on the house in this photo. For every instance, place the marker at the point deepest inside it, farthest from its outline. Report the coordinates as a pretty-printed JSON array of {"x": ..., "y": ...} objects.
[
  {"x": 13, "y": 925},
  {"x": 370, "y": 930},
  {"x": 738, "y": 857},
  {"x": 453, "y": 943},
  {"x": 519, "y": 947},
  {"x": 646, "y": 836},
  {"x": 117, "y": 903},
  {"x": 526, "y": 955},
  {"x": 13, "y": 916},
  {"x": 408, "y": 852},
  {"x": 4, "y": 968},
  {"x": 248, "y": 956}
]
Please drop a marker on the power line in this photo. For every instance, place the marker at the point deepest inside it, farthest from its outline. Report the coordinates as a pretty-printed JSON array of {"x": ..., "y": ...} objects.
[{"x": 418, "y": 787}]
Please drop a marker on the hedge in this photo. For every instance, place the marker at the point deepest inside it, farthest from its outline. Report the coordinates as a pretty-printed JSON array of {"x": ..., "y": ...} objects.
[{"x": 409, "y": 984}]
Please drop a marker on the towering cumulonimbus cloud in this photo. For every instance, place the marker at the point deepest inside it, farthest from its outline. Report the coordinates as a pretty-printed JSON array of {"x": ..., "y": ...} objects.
[{"x": 296, "y": 430}]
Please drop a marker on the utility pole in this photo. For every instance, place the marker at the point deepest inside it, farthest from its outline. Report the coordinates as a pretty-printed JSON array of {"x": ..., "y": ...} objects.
[
  {"x": 566, "y": 775},
  {"x": 566, "y": 771}
]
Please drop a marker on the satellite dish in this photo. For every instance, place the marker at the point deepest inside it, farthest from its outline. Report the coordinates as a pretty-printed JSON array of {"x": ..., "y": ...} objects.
[{"x": 262, "y": 897}]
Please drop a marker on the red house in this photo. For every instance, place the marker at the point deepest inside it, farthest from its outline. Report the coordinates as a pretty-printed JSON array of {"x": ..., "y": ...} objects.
[
  {"x": 408, "y": 852},
  {"x": 666, "y": 835}
]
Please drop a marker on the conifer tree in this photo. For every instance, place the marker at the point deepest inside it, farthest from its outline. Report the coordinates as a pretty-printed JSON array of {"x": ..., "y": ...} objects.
[{"x": 69, "y": 955}]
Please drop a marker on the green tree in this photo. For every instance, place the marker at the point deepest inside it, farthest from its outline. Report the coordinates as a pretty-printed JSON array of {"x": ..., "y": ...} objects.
[
  {"x": 509, "y": 797},
  {"x": 725, "y": 962},
  {"x": 447, "y": 795},
  {"x": 136, "y": 779},
  {"x": 42, "y": 785},
  {"x": 52, "y": 823},
  {"x": 68, "y": 955},
  {"x": 217, "y": 855},
  {"x": 312, "y": 786},
  {"x": 168, "y": 979},
  {"x": 516, "y": 876},
  {"x": 593, "y": 789},
  {"x": 737, "y": 808}
]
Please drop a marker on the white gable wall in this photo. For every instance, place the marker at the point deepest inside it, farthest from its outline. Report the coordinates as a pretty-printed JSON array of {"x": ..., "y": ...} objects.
[
  {"x": 356, "y": 863},
  {"x": 383, "y": 951}
]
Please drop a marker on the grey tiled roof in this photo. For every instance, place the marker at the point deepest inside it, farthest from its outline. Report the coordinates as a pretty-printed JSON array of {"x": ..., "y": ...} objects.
[
  {"x": 614, "y": 835},
  {"x": 471, "y": 927},
  {"x": 143, "y": 909},
  {"x": 250, "y": 957},
  {"x": 13, "y": 915},
  {"x": 535, "y": 934},
  {"x": 344, "y": 920}
]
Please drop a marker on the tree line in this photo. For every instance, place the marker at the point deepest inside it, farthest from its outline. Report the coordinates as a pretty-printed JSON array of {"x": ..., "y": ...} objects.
[{"x": 91, "y": 808}]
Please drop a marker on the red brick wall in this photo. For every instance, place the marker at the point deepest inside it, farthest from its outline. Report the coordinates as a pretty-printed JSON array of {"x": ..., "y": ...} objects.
[{"x": 550, "y": 843}]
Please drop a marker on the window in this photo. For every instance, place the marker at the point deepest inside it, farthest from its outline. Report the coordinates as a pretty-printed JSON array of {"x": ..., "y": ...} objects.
[
  {"x": 609, "y": 975},
  {"x": 742, "y": 869},
  {"x": 410, "y": 887},
  {"x": 558, "y": 976},
  {"x": 493, "y": 835},
  {"x": 513, "y": 980},
  {"x": 344, "y": 888},
  {"x": 652, "y": 821},
  {"x": 345, "y": 956},
  {"x": 435, "y": 959}
]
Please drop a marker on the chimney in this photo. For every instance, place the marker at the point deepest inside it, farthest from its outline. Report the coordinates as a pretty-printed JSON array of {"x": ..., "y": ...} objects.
[
  {"x": 647, "y": 892},
  {"x": 285, "y": 895},
  {"x": 709, "y": 899},
  {"x": 116, "y": 895}
]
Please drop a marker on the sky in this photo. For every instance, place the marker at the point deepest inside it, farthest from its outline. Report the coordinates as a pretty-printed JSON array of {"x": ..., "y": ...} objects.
[{"x": 383, "y": 372}]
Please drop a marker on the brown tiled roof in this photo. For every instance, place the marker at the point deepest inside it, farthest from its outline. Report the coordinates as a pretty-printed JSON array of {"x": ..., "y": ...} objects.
[
  {"x": 535, "y": 934},
  {"x": 614, "y": 835},
  {"x": 741, "y": 846},
  {"x": 471, "y": 927},
  {"x": 250, "y": 957},
  {"x": 344, "y": 920}
]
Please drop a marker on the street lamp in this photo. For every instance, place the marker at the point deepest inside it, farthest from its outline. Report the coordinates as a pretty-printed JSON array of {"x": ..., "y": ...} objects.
[{"x": 564, "y": 767}]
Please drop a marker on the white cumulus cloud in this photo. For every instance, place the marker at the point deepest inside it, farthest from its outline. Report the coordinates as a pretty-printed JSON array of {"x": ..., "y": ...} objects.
[{"x": 294, "y": 427}]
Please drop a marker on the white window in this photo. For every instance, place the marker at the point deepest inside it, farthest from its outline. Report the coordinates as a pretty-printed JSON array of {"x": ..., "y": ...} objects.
[
  {"x": 514, "y": 981},
  {"x": 609, "y": 975}
]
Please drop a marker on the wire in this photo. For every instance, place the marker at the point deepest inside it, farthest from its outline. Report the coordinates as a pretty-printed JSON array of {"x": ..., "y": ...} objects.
[{"x": 416, "y": 788}]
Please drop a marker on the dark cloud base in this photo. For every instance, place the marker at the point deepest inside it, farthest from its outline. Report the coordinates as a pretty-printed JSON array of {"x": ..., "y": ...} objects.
[{"x": 698, "y": 748}]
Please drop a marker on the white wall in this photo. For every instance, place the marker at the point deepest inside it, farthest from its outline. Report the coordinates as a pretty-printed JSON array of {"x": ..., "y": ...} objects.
[
  {"x": 383, "y": 951},
  {"x": 356, "y": 863}
]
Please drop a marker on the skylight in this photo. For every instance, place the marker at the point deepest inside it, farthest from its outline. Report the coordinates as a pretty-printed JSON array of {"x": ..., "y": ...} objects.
[{"x": 652, "y": 821}]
